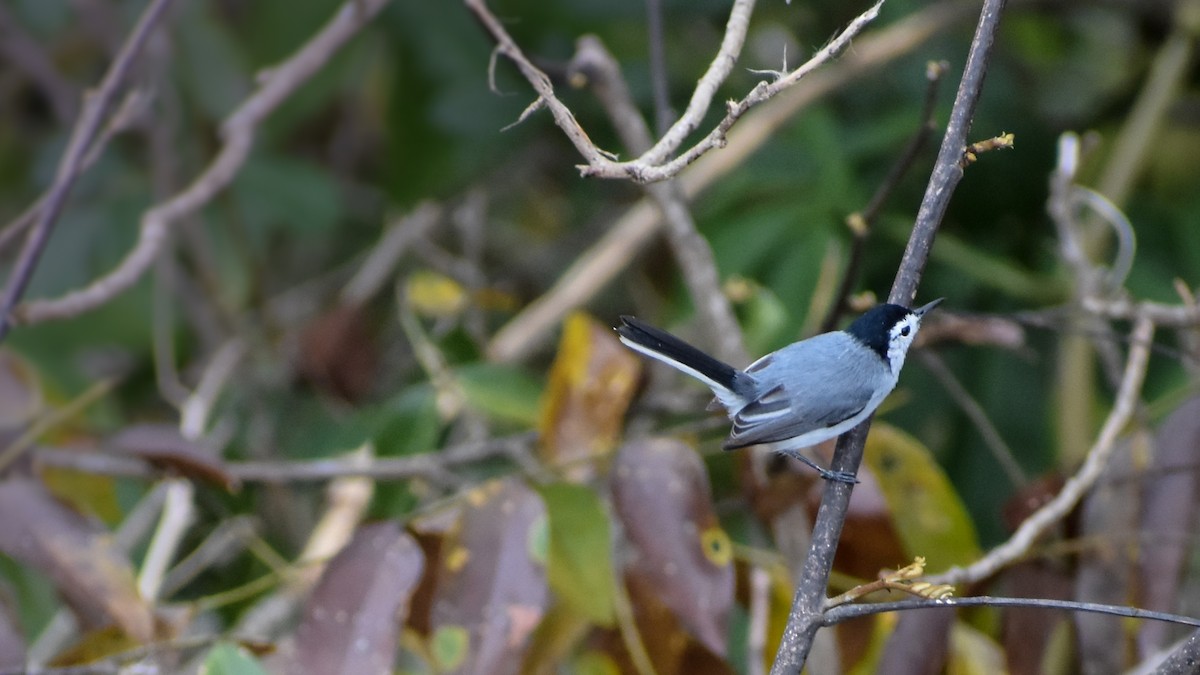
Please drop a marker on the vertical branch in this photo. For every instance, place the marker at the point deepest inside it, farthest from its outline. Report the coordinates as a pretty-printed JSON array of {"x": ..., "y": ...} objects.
[{"x": 807, "y": 607}]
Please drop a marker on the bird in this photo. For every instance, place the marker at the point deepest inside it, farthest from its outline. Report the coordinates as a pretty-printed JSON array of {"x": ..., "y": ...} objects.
[{"x": 805, "y": 393}]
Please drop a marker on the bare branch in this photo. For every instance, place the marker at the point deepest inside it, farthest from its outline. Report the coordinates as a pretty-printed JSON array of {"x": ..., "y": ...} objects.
[
  {"x": 706, "y": 88},
  {"x": 238, "y": 132},
  {"x": 177, "y": 515},
  {"x": 541, "y": 84},
  {"x": 198, "y": 406},
  {"x": 1163, "y": 315},
  {"x": 652, "y": 166},
  {"x": 90, "y": 123}
]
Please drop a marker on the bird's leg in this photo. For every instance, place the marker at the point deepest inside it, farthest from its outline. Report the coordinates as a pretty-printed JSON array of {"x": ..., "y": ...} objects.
[{"x": 836, "y": 476}]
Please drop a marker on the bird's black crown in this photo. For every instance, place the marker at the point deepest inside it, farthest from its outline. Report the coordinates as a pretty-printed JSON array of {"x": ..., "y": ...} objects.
[{"x": 874, "y": 328}]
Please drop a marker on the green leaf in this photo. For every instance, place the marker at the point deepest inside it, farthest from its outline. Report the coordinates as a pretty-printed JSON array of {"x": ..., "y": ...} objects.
[
  {"x": 289, "y": 194},
  {"x": 502, "y": 392},
  {"x": 580, "y": 568},
  {"x": 210, "y": 64},
  {"x": 449, "y": 646},
  {"x": 229, "y": 659},
  {"x": 409, "y": 423}
]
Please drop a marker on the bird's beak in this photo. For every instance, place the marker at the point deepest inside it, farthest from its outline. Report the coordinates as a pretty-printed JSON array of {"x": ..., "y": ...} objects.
[{"x": 923, "y": 310}]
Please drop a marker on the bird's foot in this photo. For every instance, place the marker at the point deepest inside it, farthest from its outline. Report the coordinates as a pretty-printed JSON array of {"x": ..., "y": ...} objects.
[{"x": 838, "y": 476}]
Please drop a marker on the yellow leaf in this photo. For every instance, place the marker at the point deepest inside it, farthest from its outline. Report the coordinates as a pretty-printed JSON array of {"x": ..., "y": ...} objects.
[
  {"x": 435, "y": 295},
  {"x": 589, "y": 388},
  {"x": 87, "y": 492},
  {"x": 973, "y": 653},
  {"x": 927, "y": 513}
]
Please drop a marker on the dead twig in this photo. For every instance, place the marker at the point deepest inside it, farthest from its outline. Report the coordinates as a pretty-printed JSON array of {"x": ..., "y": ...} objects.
[
  {"x": 238, "y": 131},
  {"x": 269, "y": 471},
  {"x": 654, "y": 164}
]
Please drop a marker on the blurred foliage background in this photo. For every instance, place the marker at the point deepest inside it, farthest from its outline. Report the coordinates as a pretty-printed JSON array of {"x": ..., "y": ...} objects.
[{"x": 402, "y": 117}]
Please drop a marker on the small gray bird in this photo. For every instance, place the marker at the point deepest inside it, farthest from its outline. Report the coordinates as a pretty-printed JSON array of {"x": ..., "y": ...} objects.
[{"x": 805, "y": 393}]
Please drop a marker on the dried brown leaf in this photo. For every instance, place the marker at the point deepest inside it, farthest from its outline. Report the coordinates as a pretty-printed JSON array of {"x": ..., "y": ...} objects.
[
  {"x": 338, "y": 353},
  {"x": 91, "y": 573},
  {"x": 1167, "y": 519},
  {"x": 670, "y": 645},
  {"x": 353, "y": 618},
  {"x": 661, "y": 494},
  {"x": 164, "y": 447},
  {"x": 491, "y": 590}
]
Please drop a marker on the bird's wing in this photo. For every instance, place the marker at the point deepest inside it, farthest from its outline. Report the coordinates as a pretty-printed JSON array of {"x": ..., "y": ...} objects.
[{"x": 775, "y": 416}]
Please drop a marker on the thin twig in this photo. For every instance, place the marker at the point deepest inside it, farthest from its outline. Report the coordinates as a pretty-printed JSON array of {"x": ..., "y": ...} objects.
[
  {"x": 540, "y": 82},
  {"x": 265, "y": 471},
  {"x": 842, "y": 613},
  {"x": 26, "y": 440},
  {"x": 238, "y": 131},
  {"x": 91, "y": 120},
  {"x": 222, "y": 543},
  {"x": 861, "y": 222},
  {"x": 177, "y": 515},
  {"x": 125, "y": 116},
  {"x": 399, "y": 235},
  {"x": 197, "y": 407},
  {"x": 805, "y": 618},
  {"x": 706, "y": 88},
  {"x": 1032, "y": 528},
  {"x": 653, "y": 165},
  {"x": 1163, "y": 315},
  {"x": 1003, "y": 454}
]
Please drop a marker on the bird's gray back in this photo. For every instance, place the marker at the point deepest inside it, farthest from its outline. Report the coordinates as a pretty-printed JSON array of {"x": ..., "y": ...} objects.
[{"x": 809, "y": 385}]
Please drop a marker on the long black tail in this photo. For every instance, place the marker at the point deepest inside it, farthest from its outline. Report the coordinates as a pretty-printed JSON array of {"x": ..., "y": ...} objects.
[{"x": 659, "y": 344}]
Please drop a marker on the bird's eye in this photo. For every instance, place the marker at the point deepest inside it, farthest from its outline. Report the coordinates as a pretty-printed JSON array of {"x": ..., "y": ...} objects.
[{"x": 905, "y": 331}]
